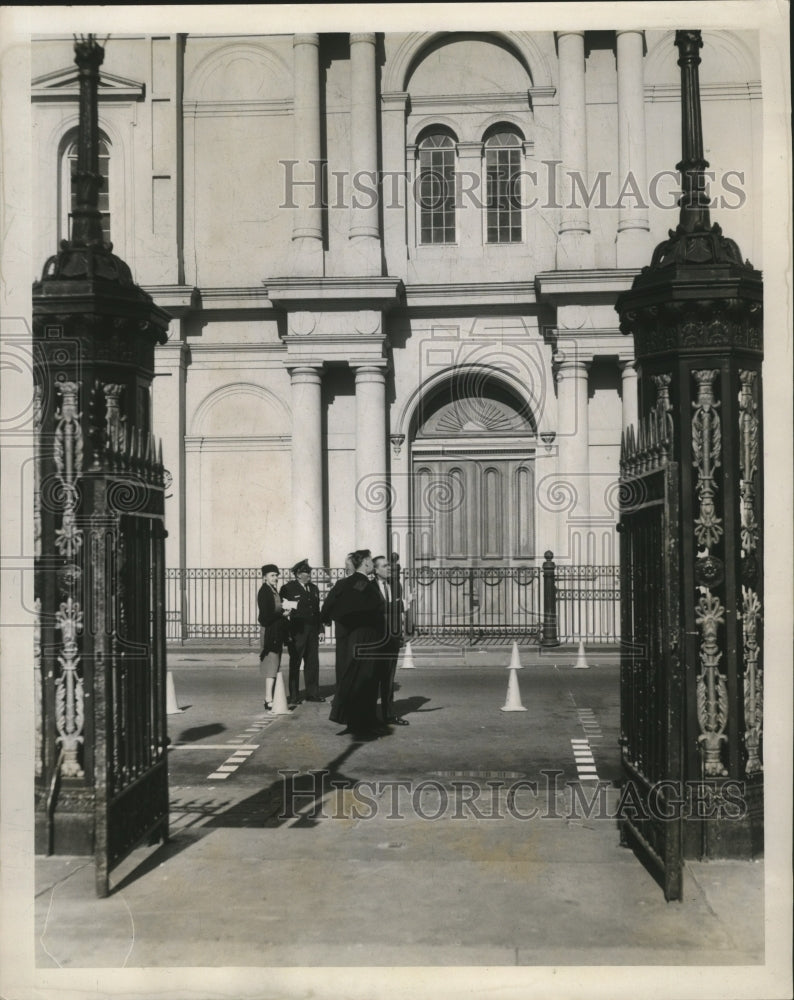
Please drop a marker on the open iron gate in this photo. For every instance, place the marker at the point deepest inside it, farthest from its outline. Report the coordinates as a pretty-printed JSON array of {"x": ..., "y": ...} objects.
[
  {"x": 651, "y": 669},
  {"x": 127, "y": 567}
]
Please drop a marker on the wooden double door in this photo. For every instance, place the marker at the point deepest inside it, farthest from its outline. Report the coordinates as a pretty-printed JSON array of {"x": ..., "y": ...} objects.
[{"x": 473, "y": 552}]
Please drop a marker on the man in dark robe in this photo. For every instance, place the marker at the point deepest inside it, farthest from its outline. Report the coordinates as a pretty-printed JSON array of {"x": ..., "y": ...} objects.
[
  {"x": 328, "y": 615},
  {"x": 358, "y": 607}
]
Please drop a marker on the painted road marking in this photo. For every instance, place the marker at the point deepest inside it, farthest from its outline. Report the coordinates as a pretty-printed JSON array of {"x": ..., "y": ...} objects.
[
  {"x": 589, "y": 723},
  {"x": 218, "y": 774},
  {"x": 583, "y": 758},
  {"x": 250, "y": 747}
]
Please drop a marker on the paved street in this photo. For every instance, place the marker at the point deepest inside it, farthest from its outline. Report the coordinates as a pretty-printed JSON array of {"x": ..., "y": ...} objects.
[{"x": 425, "y": 847}]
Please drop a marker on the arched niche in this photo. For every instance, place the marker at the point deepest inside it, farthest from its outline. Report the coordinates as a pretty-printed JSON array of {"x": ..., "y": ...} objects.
[
  {"x": 725, "y": 58},
  {"x": 240, "y": 410},
  {"x": 240, "y": 72},
  {"x": 413, "y": 47},
  {"x": 467, "y": 63}
]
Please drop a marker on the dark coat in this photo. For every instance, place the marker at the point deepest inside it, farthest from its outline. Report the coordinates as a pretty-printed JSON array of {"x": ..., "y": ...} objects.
[
  {"x": 272, "y": 620},
  {"x": 357, "y": 606},
  {"x": 307, "y": 613}
]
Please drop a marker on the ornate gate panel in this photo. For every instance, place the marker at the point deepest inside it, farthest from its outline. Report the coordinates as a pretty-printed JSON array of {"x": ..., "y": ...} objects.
[
  {"x": 651, "y": 672},
  {"x": 127, "y": 563}
]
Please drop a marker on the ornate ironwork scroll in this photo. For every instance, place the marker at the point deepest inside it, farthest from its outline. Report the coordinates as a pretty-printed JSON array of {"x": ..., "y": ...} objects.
[
  {"x": 69, "y": 715},
  {"x": 663, "y": 405},
  {"x": 751, "y": 603},
  {"x": 68, "y": 457},
  {"x": 707, "y": 452},
  {"x": 712, "y": 691}
]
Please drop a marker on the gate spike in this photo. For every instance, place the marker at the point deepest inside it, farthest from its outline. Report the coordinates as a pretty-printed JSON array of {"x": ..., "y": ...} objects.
[{"x": 160, "y": 452}]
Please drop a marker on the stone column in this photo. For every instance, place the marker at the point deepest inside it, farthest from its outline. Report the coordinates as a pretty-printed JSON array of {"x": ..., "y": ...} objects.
[
  {"x": 308, "y": 539},
  {"x": 364, "y": 226},
  {"x": 575, "y": 242},
  {"x": 573, "y": 443},
  {"x": 628, "y": 374},
  {"x": 307, "y": 227},
  {"x": 371, "y": 490},
  {"x": 168, "y": 421},
  {"x": 633, "y": 236}
]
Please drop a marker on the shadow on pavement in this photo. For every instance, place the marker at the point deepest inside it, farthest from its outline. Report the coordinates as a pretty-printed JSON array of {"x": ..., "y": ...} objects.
[{"x": 200, "y": 732}]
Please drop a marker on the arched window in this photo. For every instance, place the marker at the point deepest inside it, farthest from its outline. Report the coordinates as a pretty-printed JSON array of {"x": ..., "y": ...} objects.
[
  {"x": 69, "y": 194},
  {"x": 503, "y": 187},
  {"x": 437, "y": 189}
]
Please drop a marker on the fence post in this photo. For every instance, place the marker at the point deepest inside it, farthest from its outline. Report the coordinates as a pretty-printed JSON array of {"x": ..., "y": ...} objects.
[{"x": 549, "y": 636}]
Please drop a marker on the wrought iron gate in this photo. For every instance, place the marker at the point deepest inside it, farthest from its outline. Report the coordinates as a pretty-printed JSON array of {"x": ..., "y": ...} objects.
[
  {"x": 128, "y": 569},
  {"x": 651, "y": 671}
]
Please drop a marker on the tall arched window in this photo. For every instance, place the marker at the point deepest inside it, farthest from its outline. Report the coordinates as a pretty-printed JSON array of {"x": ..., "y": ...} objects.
[
  {"x": 503, "y": 187},
  {"x": 69, "y": 194},
  {"x": 437, "y": 189}
]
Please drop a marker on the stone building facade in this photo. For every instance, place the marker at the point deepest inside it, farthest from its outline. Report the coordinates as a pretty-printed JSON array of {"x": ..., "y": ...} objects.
[{"x": 391, "y": 262}]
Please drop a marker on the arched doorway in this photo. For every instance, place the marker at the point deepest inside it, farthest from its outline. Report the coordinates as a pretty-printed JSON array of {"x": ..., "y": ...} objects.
[{"x": 474, "y": 568}]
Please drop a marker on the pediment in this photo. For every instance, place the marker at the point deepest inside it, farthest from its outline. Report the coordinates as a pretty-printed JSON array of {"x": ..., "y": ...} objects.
[{"x": 64, "y": 84}]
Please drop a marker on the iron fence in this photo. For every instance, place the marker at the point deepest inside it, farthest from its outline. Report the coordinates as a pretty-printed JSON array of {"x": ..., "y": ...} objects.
[
  {"x": 215, "y": 604},
  {"x": 549, "y": 603},
  {"x": 475, "y": 604},
  {"x": 588, "y": 604}
]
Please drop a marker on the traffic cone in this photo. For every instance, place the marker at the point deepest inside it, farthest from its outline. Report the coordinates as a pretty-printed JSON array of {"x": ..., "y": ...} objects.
[
  {"x": 171, "y": 704},
  {"x": 513, "y": 702},
  {"x": 407, "y": 662},
  {"x": 279, "y": 698},
  {"x": 581, "y": 661}
]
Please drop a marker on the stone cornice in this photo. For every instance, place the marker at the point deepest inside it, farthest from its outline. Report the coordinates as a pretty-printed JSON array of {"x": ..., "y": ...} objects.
[
  {"x": 520, "y": 98},
  {"x": 175, "y": 299},
  {"x": 245, "y": 297},
  {"x": 237, "y": 109},
  {"x": 491, "y": 292},
  {"x": 560, "y": 287},
  {"x": 243, "y": 442},
  {"x": 355, "y": 292}
]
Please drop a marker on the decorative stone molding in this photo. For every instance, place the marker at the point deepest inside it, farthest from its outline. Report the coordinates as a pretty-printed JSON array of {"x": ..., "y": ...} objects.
[{"x": 397, "y": 441}]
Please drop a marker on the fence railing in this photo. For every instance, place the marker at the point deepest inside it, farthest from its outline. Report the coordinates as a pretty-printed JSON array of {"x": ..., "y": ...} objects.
[
  {"x": 549, "y": 604},
  {"x": 221, "y": 603},
  {"x": 588, "y": 603}
]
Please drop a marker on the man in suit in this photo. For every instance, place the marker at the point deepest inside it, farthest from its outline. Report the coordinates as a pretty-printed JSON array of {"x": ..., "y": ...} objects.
[
  {"x": 304, "y": 638},
  {"x": 391, "y": 610}
]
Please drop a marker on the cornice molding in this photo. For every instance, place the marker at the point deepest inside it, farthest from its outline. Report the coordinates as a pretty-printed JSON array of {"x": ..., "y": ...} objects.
[
  {"x": 252, "y": 442},
  {"x": 561, "y": 287},
  {"x": 491, "y": 292},
  {"x": 239, "y": 109},
  {"x": 361, "y": 292}
]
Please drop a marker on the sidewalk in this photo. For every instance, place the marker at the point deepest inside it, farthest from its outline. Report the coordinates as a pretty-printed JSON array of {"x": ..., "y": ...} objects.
[{"x": 350, "y": 884}]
